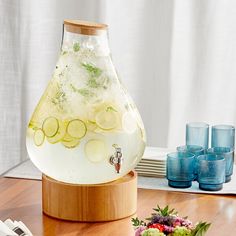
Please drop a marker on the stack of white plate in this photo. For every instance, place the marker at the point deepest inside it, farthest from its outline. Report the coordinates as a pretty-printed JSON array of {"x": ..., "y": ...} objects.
[{"x": 153, "y": 162}]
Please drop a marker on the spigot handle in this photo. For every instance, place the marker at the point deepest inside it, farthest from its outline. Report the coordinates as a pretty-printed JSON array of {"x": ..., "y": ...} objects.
[{"x": 116, "y": 159}]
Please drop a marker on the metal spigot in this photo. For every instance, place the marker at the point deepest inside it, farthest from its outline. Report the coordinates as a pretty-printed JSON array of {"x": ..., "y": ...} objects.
[{"x": 116, "y": 159}]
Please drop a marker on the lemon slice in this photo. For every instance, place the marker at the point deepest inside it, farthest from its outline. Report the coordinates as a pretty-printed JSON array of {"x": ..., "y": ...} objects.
[
  {"x": 39, "y": 137},
  {"x": 59, "y": 135},
  {"x": 71, "y": 144},
  {"x": 107, "y": 119},
  {"x": 129, "y": 122},
  {"x": 50, "y": 126},
  {"x": 76, "y": 129},
  {"x": 95, "y": 150}
]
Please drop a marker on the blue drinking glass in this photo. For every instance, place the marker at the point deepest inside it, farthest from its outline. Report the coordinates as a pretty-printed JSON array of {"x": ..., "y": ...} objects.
[
  {"x": 197, "y": 133},
  {"x": 211, "y": 172},
  {"x": 223, "y": 136},
  {"x": 194, "y": 149},
  {"x": 180, "y": 169},
  {"x": 228, "y": 154}
]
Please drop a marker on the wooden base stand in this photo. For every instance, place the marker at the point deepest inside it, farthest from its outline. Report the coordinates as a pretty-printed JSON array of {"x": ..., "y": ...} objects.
[{"x": 90, "y": 203}]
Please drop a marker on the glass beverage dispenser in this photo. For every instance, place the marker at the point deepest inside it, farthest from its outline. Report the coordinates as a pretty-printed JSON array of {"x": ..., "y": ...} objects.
[{"x": 86, "y": 128}]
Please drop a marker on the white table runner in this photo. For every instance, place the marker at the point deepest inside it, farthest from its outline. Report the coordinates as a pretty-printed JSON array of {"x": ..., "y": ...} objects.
[
  {"x": 162, "y": 184},
  {"x": 28, "y": 171}
]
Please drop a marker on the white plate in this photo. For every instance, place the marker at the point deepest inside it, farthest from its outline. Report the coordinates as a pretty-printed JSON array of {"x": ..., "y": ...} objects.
[
  {"x": 152, "y": 163},
  {"x": 151, "y": 171},
  {"x": 149, "y": 168},
  {"x": 152, "y": 175},
  {"x": 154, "y": 153}
]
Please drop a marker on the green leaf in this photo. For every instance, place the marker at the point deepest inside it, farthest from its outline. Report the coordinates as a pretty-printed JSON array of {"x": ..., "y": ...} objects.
[
  {"x": 92, "y": 83},
  {"x": 85, "y": 92},
  {"x": 59, "y": 98},
  {"x": 165, "y": 211},
  {"x": 200, "y": 229},
  {"x": 92, "y": 70},
  {"x": 76, "y": 47},
  {"x": 82, "y": 91},
  {"x": 136, "y": 222}
]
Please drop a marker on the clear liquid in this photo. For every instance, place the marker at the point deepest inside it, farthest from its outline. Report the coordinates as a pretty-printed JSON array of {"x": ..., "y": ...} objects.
[
  {"x": 83, "y": 113},
  {"x": 73, "y": 166}
]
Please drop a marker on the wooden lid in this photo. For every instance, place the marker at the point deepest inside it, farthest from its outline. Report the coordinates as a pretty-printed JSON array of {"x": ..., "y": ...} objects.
[{"x": 84, "y": 27}]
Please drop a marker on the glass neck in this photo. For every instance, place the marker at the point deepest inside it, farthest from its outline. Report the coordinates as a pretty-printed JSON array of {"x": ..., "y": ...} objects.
[{"x": 73, "y": 42}]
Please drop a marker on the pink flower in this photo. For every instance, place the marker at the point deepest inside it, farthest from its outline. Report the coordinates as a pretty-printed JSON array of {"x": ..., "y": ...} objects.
[
  {"x": 168, "y": 229},
  {"x": 188, "y": 224},
  {"x": 139, "y": 230},
  {"x": 177, "y": 222}
]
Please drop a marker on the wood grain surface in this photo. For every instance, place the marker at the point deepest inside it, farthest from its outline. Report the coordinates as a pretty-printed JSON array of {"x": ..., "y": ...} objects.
[
  {"x": 21, "y": 200},
  {"x": 85, "y": 24},
  {"x": 84, "y": 27},
  {"x": 90, "y": 202}
]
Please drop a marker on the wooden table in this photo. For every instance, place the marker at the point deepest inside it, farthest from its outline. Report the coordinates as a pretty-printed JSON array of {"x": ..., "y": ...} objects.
[{"x": 21, "y": 200}]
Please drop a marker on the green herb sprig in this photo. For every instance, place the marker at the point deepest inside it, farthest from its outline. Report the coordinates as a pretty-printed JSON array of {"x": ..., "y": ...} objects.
[
  {"x": 76, "y": 47},
  {"x": 92, "y": 70},
  {"x": 136, "y": 222}
]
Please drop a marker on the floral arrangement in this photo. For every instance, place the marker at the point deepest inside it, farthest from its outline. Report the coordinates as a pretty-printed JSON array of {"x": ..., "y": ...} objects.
[{"x": 167, "y": 222}]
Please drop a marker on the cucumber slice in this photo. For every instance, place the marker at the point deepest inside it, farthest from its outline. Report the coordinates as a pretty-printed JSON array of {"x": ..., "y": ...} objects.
[
  {"x": 34, "y": 125},
  {"x": 71, "y": 144},
  {"x": 76, "y": 129},
  {"x": 59, "y": 135},
  {"x": 39, "y": 137},
  {"x": 95, "y": 150},
  {"x": 50, "y": 126},
  {"x": 91, "y": 126},
  {"x": 91, "y": 115},
  {"x": 107, "y": 119},
  {"x": 67, "y": 138}
]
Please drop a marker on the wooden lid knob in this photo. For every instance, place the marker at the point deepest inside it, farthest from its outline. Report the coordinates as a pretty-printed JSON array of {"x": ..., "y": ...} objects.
[{"x": 84, "y": 27}]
